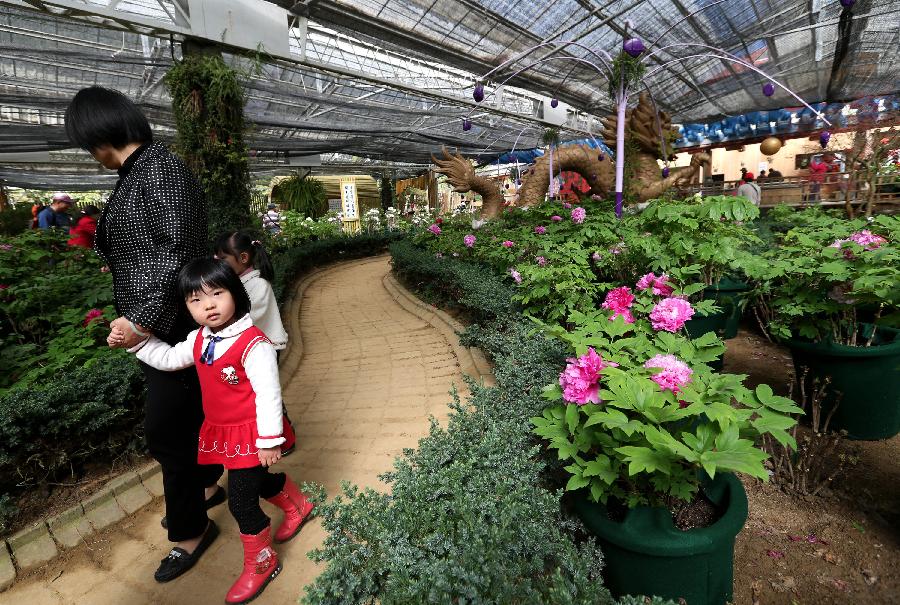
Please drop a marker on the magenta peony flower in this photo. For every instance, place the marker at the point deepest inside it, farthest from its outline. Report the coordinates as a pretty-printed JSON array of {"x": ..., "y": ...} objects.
[
  {"x": 675, "y": 373},
  {"x": 4, "y": 286},
  {"x": 578, "y": 215},
  {"x": 540, "y": 230},
  {"x": 469, "y": 240},
  {"x": 508, "y": 244},
  {"x": 580, "y": 381},
  {"x": 659, "y": 285},
  {"x": 92, "y": 315},
  {"x": 868, "y": 240},
  {"x": 517, "y": 277},
  {"x": 541, "y": 261},
  {"x": 6, "y": 247},
  {"x": 619, "y": 301},
  {"x": 435, "y": 228},
  {"x": 555, "y": 218},
  {"x": 670, "y": 314}
]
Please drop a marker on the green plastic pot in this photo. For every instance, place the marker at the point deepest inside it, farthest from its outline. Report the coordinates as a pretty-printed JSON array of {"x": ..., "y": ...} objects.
[
  {"x": 867, "y": 377},
  {"x": 701, "y": 324},
  {"x": 727, "y": 293},
  {"x": 645, "y": 554}
]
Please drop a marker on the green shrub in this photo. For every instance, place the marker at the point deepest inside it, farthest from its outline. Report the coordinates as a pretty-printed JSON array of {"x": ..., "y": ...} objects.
[
  {"x": 304, "y": 195},
  {"x": 87, "y": 414},
  {"x": 468, "y": 519},
  {"x": 15, "y": 220}
]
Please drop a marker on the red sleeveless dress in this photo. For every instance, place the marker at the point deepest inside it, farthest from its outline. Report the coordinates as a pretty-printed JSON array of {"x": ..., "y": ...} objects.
[{"x": 229, "y": 432}]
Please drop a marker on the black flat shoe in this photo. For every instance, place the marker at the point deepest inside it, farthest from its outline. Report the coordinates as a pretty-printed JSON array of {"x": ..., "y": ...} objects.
[
  {"x": 288, "y": 451},
  {"x": 216, "y": 499},
  {"x": 178, "y": 561}
]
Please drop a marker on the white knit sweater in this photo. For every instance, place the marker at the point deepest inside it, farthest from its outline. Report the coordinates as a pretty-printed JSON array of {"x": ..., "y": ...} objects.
[{"x": 264, "y": 308}]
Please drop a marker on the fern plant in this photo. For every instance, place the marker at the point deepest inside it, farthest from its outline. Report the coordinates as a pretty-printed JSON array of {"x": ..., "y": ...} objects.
[{"x": 302, "y": 194}]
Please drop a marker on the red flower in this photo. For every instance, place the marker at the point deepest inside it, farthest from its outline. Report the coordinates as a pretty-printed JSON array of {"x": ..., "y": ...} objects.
[
  {"x": 92, "y": 315},
  {"x": 439, "y": 221}
]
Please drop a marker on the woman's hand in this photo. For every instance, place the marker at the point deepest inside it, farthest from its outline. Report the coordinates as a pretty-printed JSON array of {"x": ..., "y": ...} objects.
[
  {"x": 269, "y": 455},
  {"x": 122, "y": 336}
]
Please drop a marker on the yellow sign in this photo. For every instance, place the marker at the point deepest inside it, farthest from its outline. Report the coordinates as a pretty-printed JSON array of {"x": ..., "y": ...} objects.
[{"x": 349, "y": 205}]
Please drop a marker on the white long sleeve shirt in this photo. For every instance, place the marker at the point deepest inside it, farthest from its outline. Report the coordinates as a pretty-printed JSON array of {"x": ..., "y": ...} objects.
[
  {"x": 264, "y": 308},
  {"x": 261, "y": 366}
]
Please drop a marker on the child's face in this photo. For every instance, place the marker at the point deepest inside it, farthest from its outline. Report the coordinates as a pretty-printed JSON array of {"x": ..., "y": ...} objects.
[
  {"x": 238, "y": 263},
  {"x": 212, "y": 307}
]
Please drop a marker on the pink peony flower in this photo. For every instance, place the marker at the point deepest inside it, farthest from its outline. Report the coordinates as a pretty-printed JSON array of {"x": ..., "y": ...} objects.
[
  {"x": 4, "y": 286},
  {"x": 540, "y": 230},
  {"x": 595, "y": 256},
  {"x": 868, "y": 240},
  {"x": 555, "y": 218},
  {"x": 675, "y": 373},
  {"x": 435, "y": 228},
  {"x": 670, "y": 314},
  {"x": 469, "y": 240},
  {"x": 578, "y": 215},
  {"x": 508, "y": 244},
  {"x": 439, "y": 255},
  {"x": 517, "y": 277},
  {"x": 619, "y": 301},
  {"x": 659, "y": 285},
  {"x": 541, "y": 261},
  {"x": 580, "y": 381},
  {"x": 6, "y": 247},
  {"x": 567, "y": 205},
  {"x": 92, "y": 315}
]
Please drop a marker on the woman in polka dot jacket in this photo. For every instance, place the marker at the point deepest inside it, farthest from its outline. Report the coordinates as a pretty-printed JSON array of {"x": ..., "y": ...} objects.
[{"x": 152, "y": 225}]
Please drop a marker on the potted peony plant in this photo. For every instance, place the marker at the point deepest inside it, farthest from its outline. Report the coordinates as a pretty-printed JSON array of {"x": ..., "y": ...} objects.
[
  {"x": 831, "y": 293},
  {"x": 651, "y": 436}
]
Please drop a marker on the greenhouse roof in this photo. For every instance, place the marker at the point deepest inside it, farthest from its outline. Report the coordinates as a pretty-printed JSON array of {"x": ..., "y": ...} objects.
[{"x": 385, "y": 81}]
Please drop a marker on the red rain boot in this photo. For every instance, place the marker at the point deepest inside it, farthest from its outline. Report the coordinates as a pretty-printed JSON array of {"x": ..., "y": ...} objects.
[
  {"x": 261, "y": 565},
  {"x": 296, "y": 509}
]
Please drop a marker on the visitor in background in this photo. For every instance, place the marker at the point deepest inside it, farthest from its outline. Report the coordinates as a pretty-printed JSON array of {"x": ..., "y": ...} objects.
[
  {"x": 154, "y": 223},
  {"x": 55, "y": 215},
  {"x": 749, "y": 189},
  {"x": 82, "y": 232},
  {"x": 774, "y": 175},
  {"x": 762, "y": 176},
  {"x": 36, "y": 209},
  {"x": 271, "y": 220},
  {"x": 817, "y": 170}
]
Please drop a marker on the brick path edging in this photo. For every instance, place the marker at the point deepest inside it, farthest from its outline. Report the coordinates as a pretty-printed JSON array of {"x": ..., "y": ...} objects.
[{"x": 472, "y": 361}]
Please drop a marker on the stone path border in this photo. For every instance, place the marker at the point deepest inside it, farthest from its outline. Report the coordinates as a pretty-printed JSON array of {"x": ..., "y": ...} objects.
[{"x": 133, "y": 490}]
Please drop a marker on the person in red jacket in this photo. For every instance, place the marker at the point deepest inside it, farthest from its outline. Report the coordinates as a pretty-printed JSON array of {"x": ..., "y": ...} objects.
[{"x": 82, "y": 233}]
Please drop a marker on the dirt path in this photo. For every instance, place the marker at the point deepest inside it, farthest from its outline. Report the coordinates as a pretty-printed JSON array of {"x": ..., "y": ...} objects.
[{"x": 371, "y": 374}]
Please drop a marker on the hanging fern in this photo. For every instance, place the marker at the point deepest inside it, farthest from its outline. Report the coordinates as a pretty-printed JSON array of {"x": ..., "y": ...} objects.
[
  {"x": 302, "y": 194},
  {"x": 627, "y": 68},
  {"x": 208, "y": 105}
]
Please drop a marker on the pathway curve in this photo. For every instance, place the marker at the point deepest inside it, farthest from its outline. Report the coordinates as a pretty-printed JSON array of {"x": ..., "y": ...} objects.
[{"x": 370, "y": 375}]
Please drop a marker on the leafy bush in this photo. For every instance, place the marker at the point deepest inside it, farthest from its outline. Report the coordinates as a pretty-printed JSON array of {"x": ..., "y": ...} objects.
[
  {"x": 827, "y": 276},
  {"x": 297, "y": 229},
  {"x": 15, "y": 219},
  {"x": 85, "y": 414},
  {"x": 304, "y": 195},
  {"x": 467, "y": 518},
  {"x": 54, "y": 304}
]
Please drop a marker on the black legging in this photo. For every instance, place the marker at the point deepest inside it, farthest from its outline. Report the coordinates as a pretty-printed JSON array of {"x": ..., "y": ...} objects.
[
  {"x": 245, "y": 487},
  {"x": 172, "y": 418}
]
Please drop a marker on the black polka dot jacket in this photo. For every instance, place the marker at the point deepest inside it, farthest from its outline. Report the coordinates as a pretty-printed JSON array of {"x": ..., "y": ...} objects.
[{"x": 153, "y": 223}]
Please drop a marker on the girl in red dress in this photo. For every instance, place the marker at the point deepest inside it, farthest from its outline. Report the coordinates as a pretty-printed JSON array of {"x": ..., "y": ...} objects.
[{"x": 244, "y": 429}]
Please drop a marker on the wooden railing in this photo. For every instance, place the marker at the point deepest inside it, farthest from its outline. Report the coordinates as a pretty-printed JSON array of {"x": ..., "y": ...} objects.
[{"x": 835, "y": 189}]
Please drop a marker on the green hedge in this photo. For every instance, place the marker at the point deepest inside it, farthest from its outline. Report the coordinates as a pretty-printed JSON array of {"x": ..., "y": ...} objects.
[
  {"x": 469, "y": 518},
  {"x": 90, "y": 414}
]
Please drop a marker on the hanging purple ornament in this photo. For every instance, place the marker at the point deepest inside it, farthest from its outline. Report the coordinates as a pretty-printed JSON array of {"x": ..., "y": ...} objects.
[
  {"x": 518, "y": 182},
  {"x": 600, "y": 157},
  {"x": 554, "y": 103},
  {"x": 467, "y": 124},
  {"x": 506, "y": 185},
  {"x": 847, "y": 3},
  {"x": 665, "y": 172},
  {"x": 593, "y": 177},
  {"x": 478, "y": 93},
  {"x": 634, "y": 47},
  {"x": 824, "y": 138},
  {"x": 768, "y": 89}
]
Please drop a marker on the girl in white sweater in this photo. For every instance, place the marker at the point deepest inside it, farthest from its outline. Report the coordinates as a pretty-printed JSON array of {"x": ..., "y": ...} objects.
[{"x": 249, "y": 259}]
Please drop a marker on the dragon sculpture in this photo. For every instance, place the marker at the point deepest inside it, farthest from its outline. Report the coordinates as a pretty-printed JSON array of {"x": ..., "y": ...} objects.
[{"x": 596, "y": 168}]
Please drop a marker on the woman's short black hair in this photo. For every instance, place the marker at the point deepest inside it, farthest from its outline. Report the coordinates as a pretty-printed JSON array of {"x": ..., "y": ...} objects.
[
  {"x": 205, "y": 273},
  {"x": 99, "y": 116}
]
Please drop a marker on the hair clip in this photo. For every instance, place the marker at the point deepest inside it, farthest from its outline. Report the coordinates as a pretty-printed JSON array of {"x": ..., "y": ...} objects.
[{"x": 256, "y": 242}]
